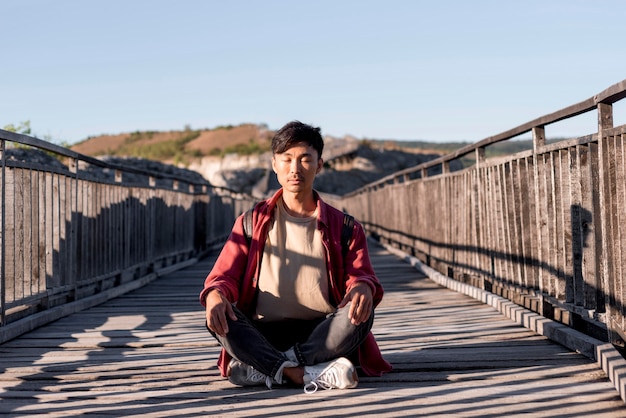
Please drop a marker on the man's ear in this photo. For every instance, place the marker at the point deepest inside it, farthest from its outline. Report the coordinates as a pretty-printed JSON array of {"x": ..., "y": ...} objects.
[
  {"x": 274, "y": 164},
  {"x": 320, "y": 164}
]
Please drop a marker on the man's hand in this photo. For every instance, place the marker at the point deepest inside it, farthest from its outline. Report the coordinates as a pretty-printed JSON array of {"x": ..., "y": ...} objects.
[
  {"x": 217, "y": 309},
  {"x": 362, "y": 303}
]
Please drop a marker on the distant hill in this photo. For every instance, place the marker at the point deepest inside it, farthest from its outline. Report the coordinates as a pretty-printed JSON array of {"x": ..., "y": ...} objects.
[
  {"x": 247, "y": 146},
  {"x": 185, "y": 146},
  {"x": 180, "y": 147},
  {"x": 238, "y": 157},
  {"x": 501, "y": 148}
]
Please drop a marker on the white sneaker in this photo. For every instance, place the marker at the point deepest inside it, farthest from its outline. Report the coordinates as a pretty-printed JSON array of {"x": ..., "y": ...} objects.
[
  {"x": 242, "y": 374},
  {"x": 336, "y": 374}
]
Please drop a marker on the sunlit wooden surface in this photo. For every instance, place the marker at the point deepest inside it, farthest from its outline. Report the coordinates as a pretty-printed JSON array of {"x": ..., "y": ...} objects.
[{"x": 148, "y": 353}]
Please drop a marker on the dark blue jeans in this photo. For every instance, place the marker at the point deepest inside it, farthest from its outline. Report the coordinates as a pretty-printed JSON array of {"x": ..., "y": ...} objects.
[{"x": 262, "y": 345}]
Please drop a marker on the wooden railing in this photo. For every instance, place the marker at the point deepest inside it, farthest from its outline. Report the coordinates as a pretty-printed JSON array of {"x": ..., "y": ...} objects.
[
  {"x": 545, "y": 228},
  {"x": 70, "y": 238}
]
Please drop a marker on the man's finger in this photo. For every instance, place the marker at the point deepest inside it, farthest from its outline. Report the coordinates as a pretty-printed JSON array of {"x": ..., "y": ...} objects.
[{"x": 230, "y": 311}]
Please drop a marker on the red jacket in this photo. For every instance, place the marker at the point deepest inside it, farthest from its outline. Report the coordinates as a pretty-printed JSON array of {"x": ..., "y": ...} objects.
[{"x": 236, "y": 270}]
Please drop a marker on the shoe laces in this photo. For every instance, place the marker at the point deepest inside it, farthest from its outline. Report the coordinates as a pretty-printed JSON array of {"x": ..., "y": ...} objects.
[
  {"x": 256, "y": 376},
  {"x": 326, "y": 380}
]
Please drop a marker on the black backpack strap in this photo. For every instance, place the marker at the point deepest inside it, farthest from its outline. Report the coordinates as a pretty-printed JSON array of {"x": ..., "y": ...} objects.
[{"x": 346, "y": 233}]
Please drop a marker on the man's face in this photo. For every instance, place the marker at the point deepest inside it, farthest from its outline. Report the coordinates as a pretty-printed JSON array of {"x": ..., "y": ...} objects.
[{"x": 297, "y": 167}]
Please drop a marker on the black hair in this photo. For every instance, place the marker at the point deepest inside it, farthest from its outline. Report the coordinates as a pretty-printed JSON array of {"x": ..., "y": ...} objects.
[{"x": 296, "y": 132}]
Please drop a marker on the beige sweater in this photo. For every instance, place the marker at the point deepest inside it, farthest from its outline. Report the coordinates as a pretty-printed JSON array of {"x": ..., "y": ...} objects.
[{"x": 293, "y": 281}]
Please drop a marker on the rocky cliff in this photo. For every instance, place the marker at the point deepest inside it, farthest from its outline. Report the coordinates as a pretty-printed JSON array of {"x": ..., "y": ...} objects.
[{"x": 253, "y": 174}]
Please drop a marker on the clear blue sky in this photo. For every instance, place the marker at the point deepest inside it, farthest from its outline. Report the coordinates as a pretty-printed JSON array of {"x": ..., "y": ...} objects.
[{"x": 440, "y": 70}]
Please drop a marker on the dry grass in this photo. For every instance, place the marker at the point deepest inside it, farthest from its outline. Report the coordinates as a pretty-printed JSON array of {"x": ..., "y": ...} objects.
[
  {"x": 223, "y": 138},
  {"x": 184, "y": 142},
  {"x": 100, "y": 145}
]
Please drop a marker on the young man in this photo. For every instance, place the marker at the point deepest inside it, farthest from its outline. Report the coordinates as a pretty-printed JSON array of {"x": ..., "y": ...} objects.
[{"x": 286, "y": 304}]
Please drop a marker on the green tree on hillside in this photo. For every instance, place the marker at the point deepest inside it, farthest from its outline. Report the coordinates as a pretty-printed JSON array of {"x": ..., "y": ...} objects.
[{"x": 22, "y": 128}]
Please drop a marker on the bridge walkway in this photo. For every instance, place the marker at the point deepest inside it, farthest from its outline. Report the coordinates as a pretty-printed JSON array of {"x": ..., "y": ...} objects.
[{"x": 147, "y": 353}]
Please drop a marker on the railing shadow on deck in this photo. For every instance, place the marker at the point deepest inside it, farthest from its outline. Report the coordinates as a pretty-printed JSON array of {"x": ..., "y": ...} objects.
[
  {"x": 48, "y": 375},
  {"x": 175, "y": 395}
]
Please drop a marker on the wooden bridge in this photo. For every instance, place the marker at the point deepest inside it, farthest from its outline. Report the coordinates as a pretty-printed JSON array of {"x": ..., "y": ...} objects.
[
  {"x": 148, "y": 353},
  {"x": 505, "y": 289}
]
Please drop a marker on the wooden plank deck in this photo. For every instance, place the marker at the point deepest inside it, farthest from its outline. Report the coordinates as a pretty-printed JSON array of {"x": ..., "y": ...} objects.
[{"x": 147, "y": 354}]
